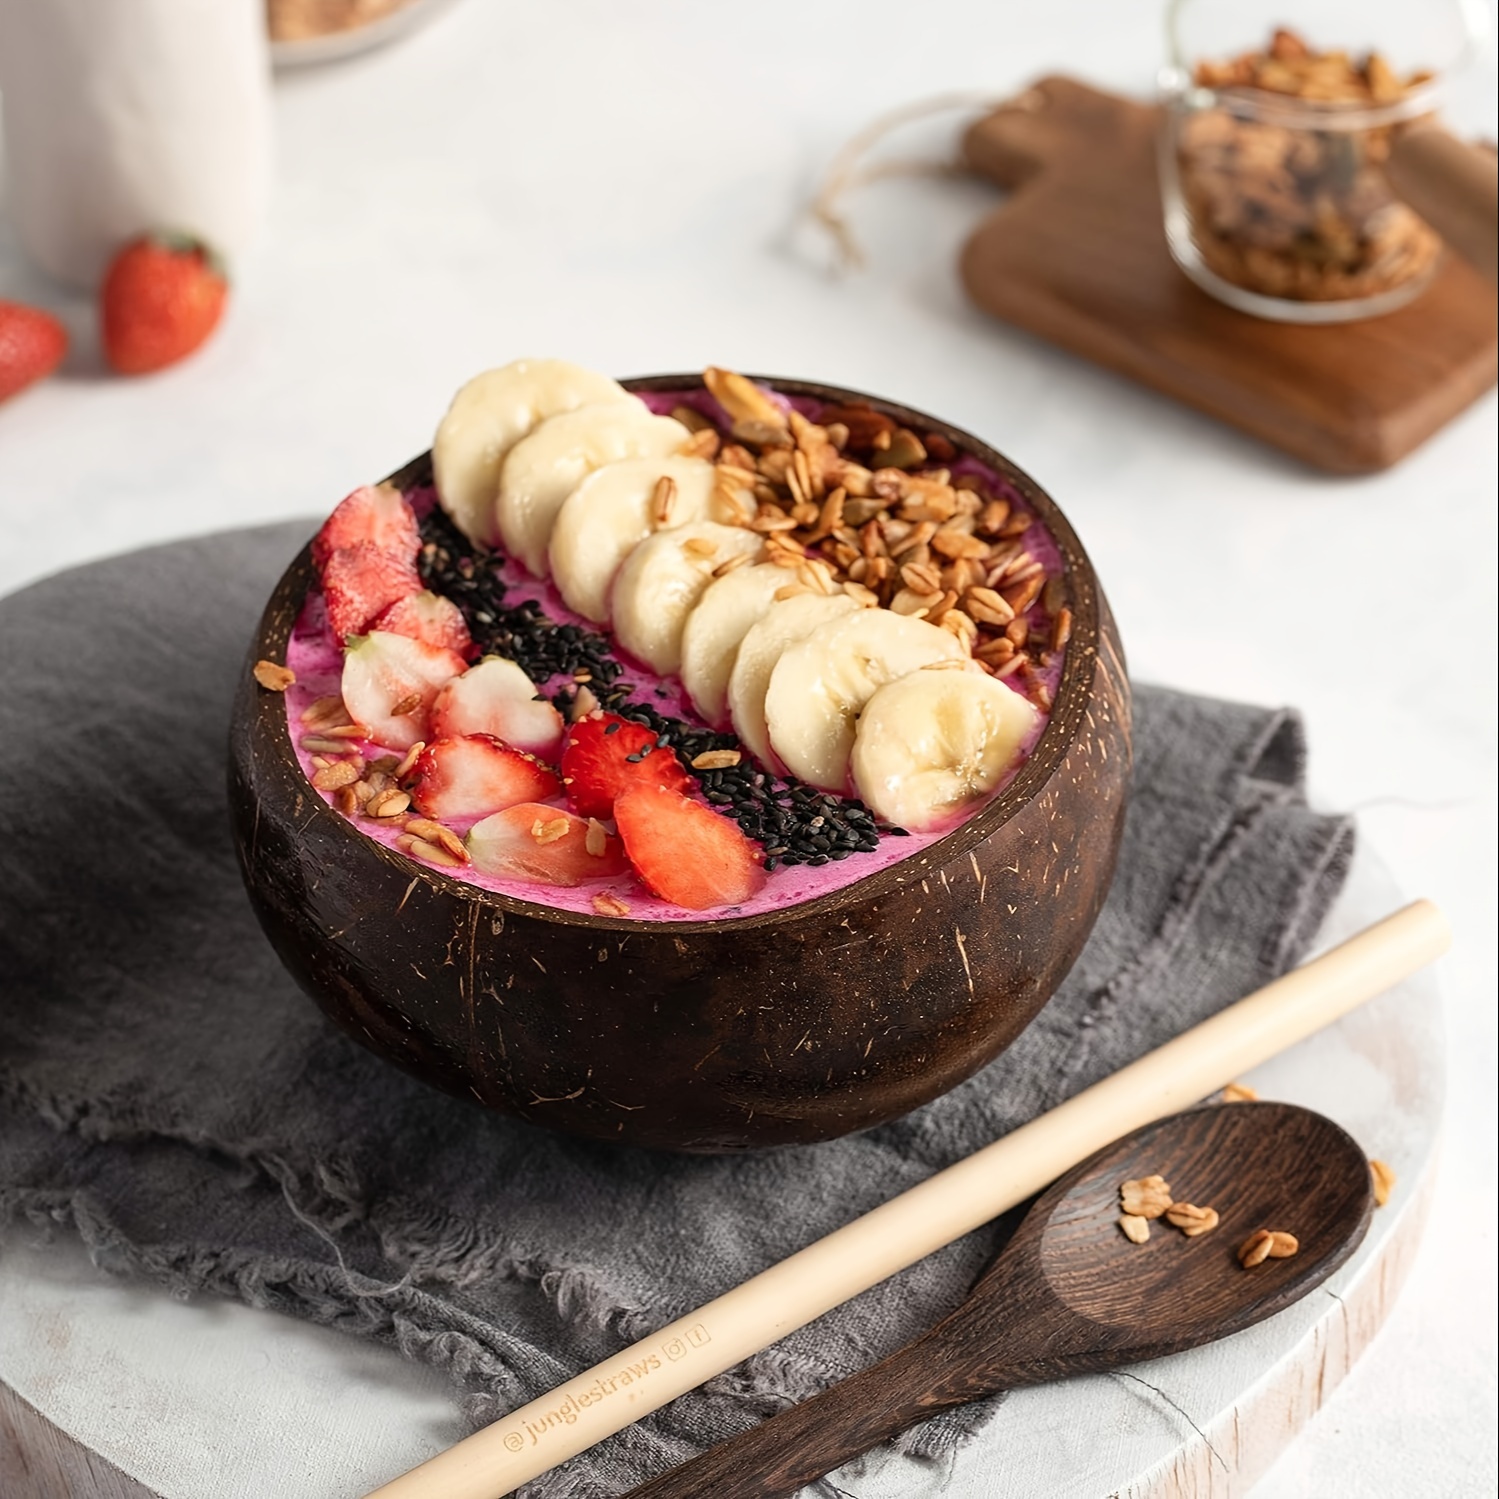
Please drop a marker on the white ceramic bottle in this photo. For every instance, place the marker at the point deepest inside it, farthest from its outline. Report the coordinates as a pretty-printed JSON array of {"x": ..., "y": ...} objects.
[{"x": 124, "y": 116}]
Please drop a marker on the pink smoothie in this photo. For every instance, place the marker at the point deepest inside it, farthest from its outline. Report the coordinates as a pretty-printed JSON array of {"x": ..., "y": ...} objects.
[{"x": 314, "y": 655}]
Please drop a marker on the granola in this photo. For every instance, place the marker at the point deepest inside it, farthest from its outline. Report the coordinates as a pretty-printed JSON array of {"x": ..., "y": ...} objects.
[
  {"x": 856, "y": 503},
  {"x": 1283, "y": 206},
  {"x": 1146, "y": 1197},
  {"x": 1267, "y": 1244}
]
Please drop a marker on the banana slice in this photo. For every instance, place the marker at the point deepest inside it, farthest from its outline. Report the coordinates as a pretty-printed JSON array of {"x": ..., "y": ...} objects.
[
  {"x": 545, "y": 467},
  {"x": 715, "y": 628},
  {"x": 661, "y": 581},
  {"x": 934, "y": 742},
  {"x": 783, "y": 625},
  {"x": 821, "y": 684},
  {"x": 611, "y": 512},
  {"x": 489, "y": 416}
]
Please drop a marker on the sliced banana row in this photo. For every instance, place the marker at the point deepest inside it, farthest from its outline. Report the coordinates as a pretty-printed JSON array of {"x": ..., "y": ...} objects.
[
  {"x": 578, "y": 479},
  {"x": 611, "y": 512},
  {"x": 766, "y": 641},
  {"x": 932, "y": 743},
  {"x": 729, "y": 608},
  {"x": 661, "y": 582},
  {"x": 820, "y": 685},
  {"x": 543, "y": 469},
  {"x": 489, "y": 416}
]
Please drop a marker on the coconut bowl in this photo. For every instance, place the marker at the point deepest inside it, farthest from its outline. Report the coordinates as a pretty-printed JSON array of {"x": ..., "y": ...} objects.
[{"x": 785, "y": 1028}]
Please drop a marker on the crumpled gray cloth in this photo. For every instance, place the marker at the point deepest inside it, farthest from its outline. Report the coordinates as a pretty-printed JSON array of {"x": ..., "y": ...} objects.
[{"x": 166, "y": 1092}]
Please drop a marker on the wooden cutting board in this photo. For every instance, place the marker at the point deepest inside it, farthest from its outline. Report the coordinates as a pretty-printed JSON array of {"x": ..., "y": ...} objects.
[{"x": 1077, "y": 255}]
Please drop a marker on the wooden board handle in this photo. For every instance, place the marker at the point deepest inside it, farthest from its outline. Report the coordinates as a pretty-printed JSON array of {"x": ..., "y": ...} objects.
[
  {"x": 1454, "y": 186},
  {"x": 943, "y": 1208},
  {"x": 1055, "y": 116}
]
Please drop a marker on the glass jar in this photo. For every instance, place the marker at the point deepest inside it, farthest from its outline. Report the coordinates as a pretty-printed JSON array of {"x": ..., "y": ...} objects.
[{"x": 1273, "y": 145}]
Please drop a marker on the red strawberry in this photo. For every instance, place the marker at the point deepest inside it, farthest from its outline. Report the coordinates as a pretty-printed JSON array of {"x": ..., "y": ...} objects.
[
  {"x": 389, "y": 682},
  {"x": 162, "y": 296},
  {"x": 378, "y": 513},
  {"x": 686, "y": 852},
  {"x": 536, "y": 842},
  {"x": 427, "y": 617},
  {"x": 497, "y": 697},
  {"x": 476, "y": 774},
  {"x": 32, "y": 344},
  {"x": 605, "y": 753},
  {"x": 360, "y": 582}
]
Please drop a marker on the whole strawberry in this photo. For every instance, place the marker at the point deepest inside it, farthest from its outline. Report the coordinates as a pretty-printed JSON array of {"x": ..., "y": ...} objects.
[
  {"x": 32, "y": 344},
  {"x": 162, "y": 297}
]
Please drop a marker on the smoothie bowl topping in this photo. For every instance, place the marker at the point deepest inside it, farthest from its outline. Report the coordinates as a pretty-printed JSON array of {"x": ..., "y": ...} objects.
[{"x": 711, "y": 649}]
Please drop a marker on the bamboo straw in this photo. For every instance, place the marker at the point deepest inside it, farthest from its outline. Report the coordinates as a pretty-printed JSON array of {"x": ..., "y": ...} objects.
[{"x": 946, "y": 1206}]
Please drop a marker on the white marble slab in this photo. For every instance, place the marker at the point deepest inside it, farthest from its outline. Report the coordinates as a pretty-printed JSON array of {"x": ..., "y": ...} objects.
[{"x": 201, "y": 1397}]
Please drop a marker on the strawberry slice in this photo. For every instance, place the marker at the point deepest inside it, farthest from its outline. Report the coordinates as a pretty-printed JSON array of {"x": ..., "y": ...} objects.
[
  {"x": 473, "y": 775},
  {"x": 497, "y": 697},
  {"x": 376, "y": 513},
  {"x": 389, "y": 682},
  {"x": 430, "y": 618},
  {"x": 361, "y": 582},
  {"x": 686, "y": 852},
  {"x": 605, "y": 754},
  {"x": 536, "y": 842}
]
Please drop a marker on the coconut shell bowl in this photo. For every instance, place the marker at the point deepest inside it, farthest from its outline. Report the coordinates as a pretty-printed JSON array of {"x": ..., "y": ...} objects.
[{"x": 794, "y": 1025}]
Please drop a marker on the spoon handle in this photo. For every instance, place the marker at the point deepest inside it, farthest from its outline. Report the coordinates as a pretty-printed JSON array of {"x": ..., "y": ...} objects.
[{"x": 807, "y": 1440}]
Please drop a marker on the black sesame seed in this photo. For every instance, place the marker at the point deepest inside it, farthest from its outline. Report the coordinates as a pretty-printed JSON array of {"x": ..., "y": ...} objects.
[{"x": 797, "y": 824}]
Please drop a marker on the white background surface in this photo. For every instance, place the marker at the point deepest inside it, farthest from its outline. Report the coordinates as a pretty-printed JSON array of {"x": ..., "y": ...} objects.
[{"x": 620, "y": 185}]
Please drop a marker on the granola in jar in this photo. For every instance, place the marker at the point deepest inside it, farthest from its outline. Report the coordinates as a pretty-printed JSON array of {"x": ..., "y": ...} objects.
[{"x": 1273, "y": 169}]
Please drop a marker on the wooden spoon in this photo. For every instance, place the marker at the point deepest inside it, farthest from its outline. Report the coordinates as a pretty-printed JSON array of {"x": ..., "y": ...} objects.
[{"x": 1069, "y": 1294}]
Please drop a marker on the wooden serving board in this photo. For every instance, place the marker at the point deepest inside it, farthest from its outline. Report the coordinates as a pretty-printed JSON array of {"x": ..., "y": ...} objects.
[
  {"x": 1077, "y": 255},
  {"x": 112, "y": 1390}
]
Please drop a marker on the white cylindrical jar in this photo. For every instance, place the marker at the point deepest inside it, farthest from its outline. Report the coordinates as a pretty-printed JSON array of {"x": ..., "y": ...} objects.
[{"x": 124, "y": 116}]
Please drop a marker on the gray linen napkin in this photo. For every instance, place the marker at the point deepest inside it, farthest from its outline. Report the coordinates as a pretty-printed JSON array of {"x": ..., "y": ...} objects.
[{"x": 167, "y": 1093}]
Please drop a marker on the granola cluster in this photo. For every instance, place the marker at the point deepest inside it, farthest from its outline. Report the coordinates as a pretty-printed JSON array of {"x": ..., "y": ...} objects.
[
  {"x": 1288, "y": 210},
  {"x": 1150, "y": 1197},
  {"x": 857, "y": 503}
]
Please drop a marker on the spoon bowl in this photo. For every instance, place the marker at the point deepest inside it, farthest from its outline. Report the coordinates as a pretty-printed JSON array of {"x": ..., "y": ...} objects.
[
  {"x": 1070, "y": 1294},
  {"x": 1260, "y": 1165}
]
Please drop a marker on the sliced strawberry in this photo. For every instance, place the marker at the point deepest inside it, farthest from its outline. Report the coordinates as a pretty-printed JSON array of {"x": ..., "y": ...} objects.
[
  {"x": 686, "y": 852},
  {"x": 497, "y": 697},
  {"x": 429, "y": 617},
  {"x": 473, "y": 775},
  {"x": 361, "y": 582},
  {"x": 376, "y": 513},
  {"x": 535, "y": 842},
  {"x": 605, "y": 753},
  {"x": 389, "y": 682}
]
